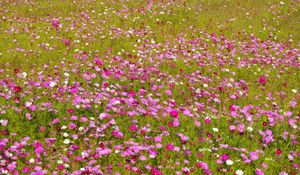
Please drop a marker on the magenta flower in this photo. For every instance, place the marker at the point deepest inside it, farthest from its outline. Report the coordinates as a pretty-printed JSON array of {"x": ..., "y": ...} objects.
[
  {"x": 155, "y": 171},
  {"x": 133, "y": 127},
  {"x": 262, "y": 80},
  {"x": 55, "y": 23},
  {"x": 38, "y": 148},
  {"x": 174, "y": 113},
  {"x": 225, "y": 157},
  {"x": 170, "y": 147}
]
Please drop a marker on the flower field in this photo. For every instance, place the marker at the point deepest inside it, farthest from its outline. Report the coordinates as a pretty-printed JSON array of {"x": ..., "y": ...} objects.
[{"x": 149, "y": 87}]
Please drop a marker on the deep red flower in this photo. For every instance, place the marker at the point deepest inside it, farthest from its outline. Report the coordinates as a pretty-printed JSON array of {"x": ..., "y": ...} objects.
[
  {"x": 265, "y": 123},
  {"x": 70, "y": 111},
  {"x": 278, "y": 151},
  {"x": 4, "y": 132},
  {"x": 16, "y": 70},
  {"x": 17, "y": 89},
  {"x": 170, "y": 124}
]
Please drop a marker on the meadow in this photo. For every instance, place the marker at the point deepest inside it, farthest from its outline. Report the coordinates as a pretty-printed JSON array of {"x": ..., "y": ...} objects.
[{"x": 149, "y": 87}]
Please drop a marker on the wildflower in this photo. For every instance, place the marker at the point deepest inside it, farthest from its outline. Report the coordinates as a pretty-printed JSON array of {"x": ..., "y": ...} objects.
[
  {"x": 73, "y": 117},
  {"x": 253, "y": 156},
  {"x": 155, "y": 171},
  {"x": 170, "y": 147},
  {"x": 215, "y": 129},
  {"x": 259, "y": 172},
  {"x": 31, "y": 160},
  {"x": 133, "y": 127},
  {"x": 207, "y": 120},
  {"x": 239, "y": 172},
  {"x": 174, "y": 113},
  {"x": 278, "y": 151},
  {"x": 17, "y": 89},
  {"x": 250, "y": 129},
  {"x": 232, "y": 128},
  {"x": 229, "y": 162},
  {"x": 262, "y": 80},
  {"x": 52, "y": 84},
  {"x": 66, "y": 141},
  {"x": 225, "y": 157}
]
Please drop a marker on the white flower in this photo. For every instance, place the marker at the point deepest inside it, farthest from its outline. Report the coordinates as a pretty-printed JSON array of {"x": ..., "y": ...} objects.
[
  {"x": 80, "y": 128},
  {"x": 250, "y": 129},
  {"x": 291, "y": 158},
  {"x": 84, "y": 154},
  {"x": 66, "y": 165},
  {"x": 59, "y": 161},
  {"x": 294, "y": 91},
  {"x": 24, "y": 74},
  {"x": 281, "y": 2},
  {"x": 65, "y": 134},
  {"x": 52, "y": 84},
  {"x": 64, "y": 127},
  {"x": 31, "y": 160},
  {"x": 66, "y": 141},
  {"x": 4, "y": 171},
  {"x": 229, "y": 162},
  {"x": 215, "y": 129},
  {"x": 239, "y": 172},
  {"x": 28, "y": 103},
  {"x": 205, "y": 85}
]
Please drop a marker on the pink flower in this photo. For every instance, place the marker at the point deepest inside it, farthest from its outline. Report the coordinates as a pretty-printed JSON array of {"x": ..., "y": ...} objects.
[
  {"x": 28, "y": 116},
  {"x": 152, "y": 153},
  {"x": 253, "y": 156},
  {"x": 197, "y": 123},
  {"x": 259, "y": 172},
  {"x": 264, "y": 165},
  {"x": 55, "y": 23},
  {"x": 168, "y": 92},
  {"x": 11, "y": 166},
  {"x": 176, "y": 122},
  {"x": 232, "y": 128},
  {"x": 38, "y": 148},
  {"x": 67, "y": 42},
  {"x": 83, "y": 119},
  {"x": 73, "y": 117},
  {"x": 241, "y": 128},
  {"x": 207, "y": 120},
  {"x": 218, "y": 161},
  {"x": 72, "y": 126},
  {"x": 26, "y": 169}
]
